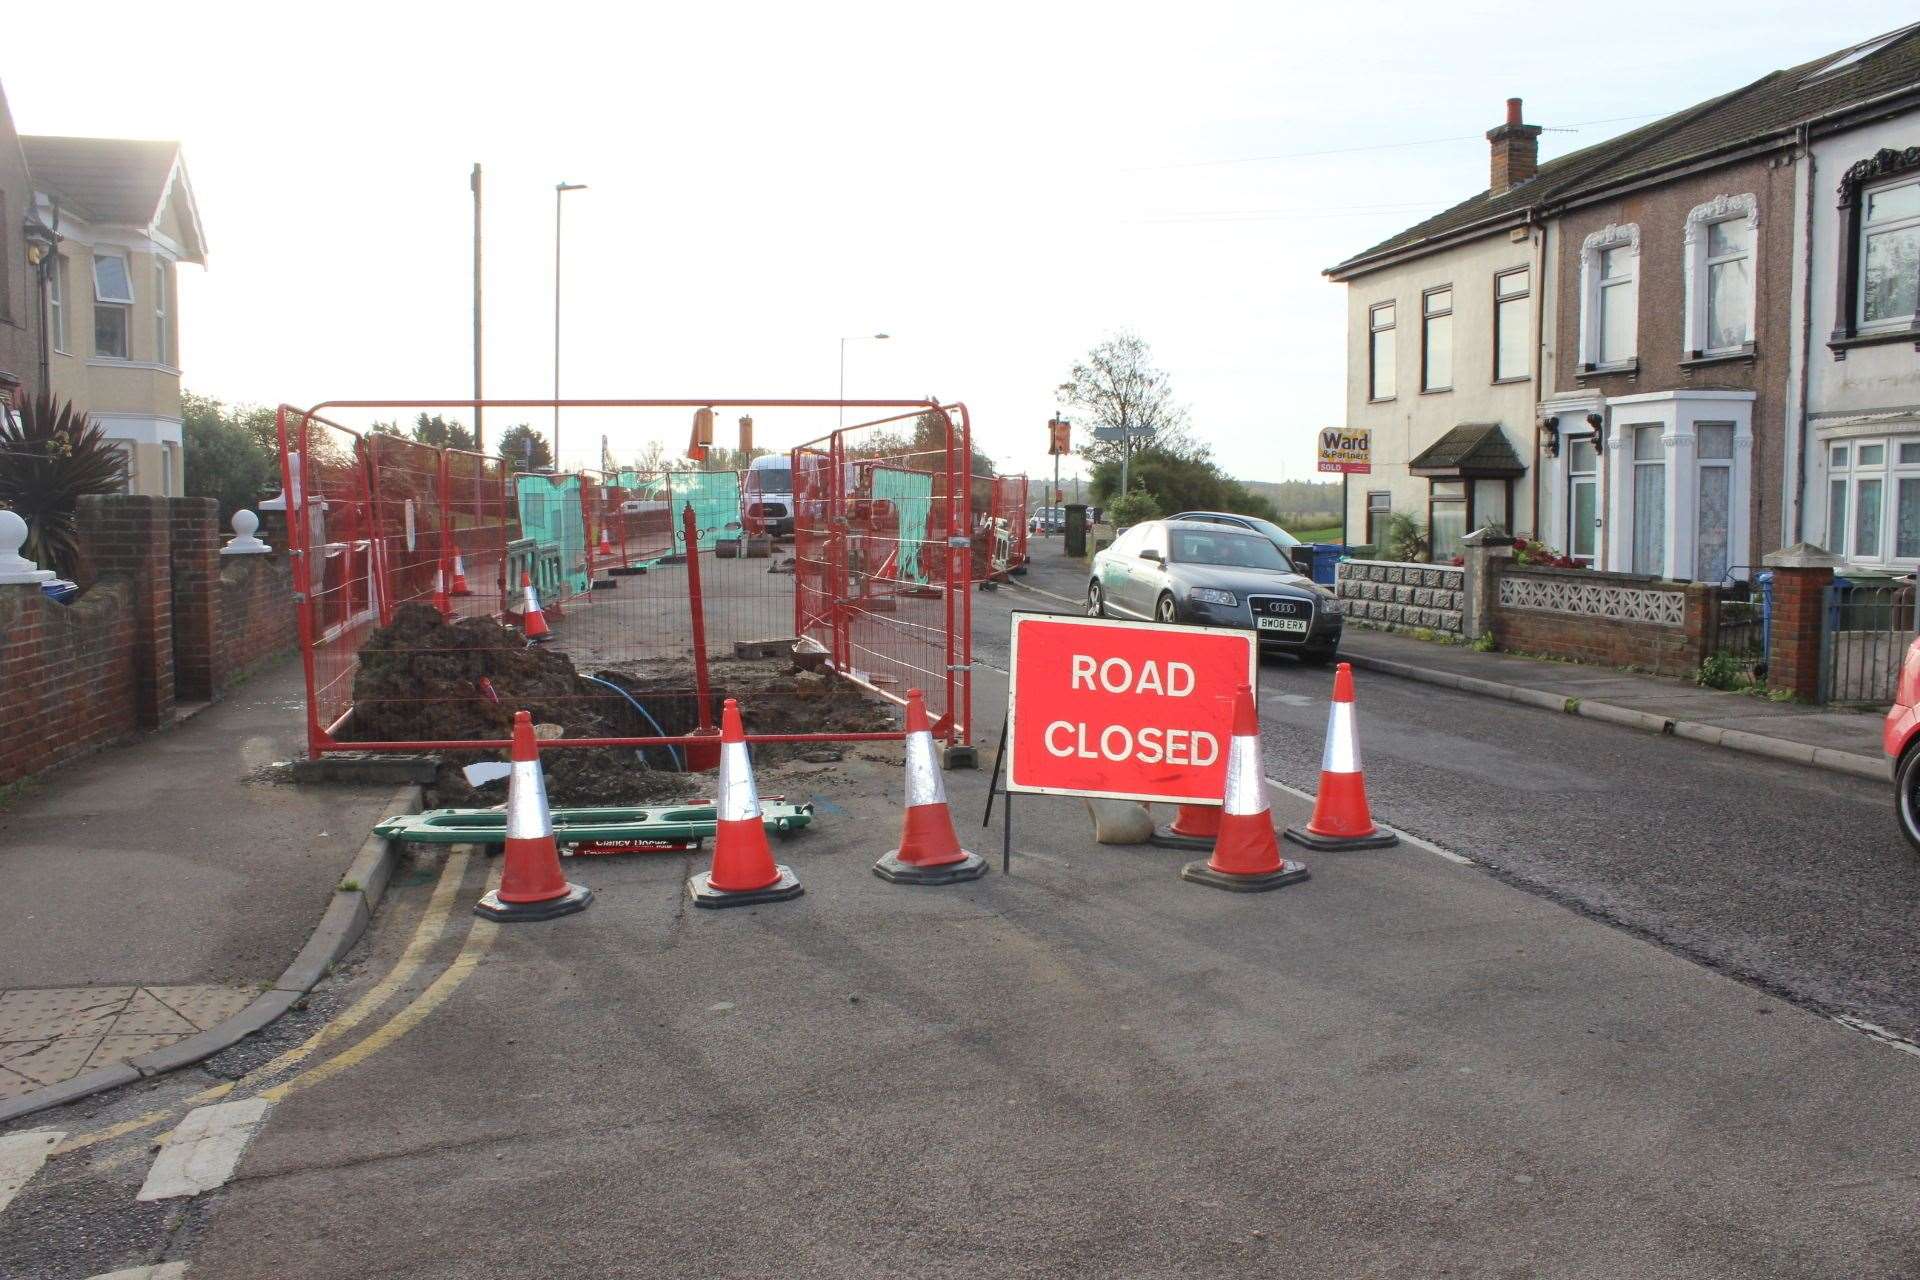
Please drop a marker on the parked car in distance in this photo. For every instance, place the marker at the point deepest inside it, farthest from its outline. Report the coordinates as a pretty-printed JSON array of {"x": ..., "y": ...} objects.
[
  {"x": 1216, "y": 575},
  {"x": 1047, "y": 520},
  {"x": 1900, "y": 737},
  {"x": 1265, "y": 528}
]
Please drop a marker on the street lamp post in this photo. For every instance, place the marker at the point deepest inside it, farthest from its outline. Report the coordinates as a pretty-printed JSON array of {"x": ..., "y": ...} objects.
[
  {"x": 857, "y": 337},
  {"x": 559, "y": 189}
]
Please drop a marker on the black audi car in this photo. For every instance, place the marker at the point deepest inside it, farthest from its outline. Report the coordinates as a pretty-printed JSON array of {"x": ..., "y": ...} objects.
[{"x": 1215, "y": 575}]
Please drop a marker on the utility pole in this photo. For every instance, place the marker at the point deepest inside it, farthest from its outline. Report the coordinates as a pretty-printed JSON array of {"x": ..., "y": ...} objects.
[
  {"x": 479, "y": 430},
  {"x": 559, "y": 189}
]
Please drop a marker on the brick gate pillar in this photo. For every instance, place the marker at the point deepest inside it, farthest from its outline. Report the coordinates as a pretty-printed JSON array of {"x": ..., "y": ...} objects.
[
  {"x": 129, "y": 536},
  {"x": 1801, "y": 575}
]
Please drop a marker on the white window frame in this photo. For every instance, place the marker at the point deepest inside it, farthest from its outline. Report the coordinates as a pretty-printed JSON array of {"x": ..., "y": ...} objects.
[
  {"x": 1889, "y": 471},
  {"x": 1374, "y": 330},
  {"x": 1723, "y": 208},
  {"x": 1868, "y": 228},
  {"x": 1499, "y": 302},
  {"x": 1701, "y": 467},
  {"x": 1428, "y": 315},
  {"x": 1612, "y": 236},
  {"x": 1574, "y": 479},
  {"x": 124, "y": 305},
  {"x": 162, "y": 344},
  {"x": 1679, "y": 413},
  {"x": 60, "y": 286}
]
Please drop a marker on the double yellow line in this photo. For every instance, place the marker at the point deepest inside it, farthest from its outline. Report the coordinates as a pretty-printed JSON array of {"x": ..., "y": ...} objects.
[{"x": 433, "y": 924}]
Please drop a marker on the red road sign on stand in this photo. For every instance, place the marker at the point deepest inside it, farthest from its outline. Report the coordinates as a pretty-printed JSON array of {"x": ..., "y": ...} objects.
[{"x": 1128, "y": 710}]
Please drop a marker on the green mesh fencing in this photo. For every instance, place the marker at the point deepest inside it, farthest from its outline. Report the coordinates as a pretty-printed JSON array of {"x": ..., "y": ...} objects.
[
  {"x": 550, "y": 517},
  {"x": 715, "y": 499},
  {"x": 911, "y": 493}
]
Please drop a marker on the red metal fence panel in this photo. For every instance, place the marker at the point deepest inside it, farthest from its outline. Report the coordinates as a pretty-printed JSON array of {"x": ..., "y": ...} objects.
[{"x": 877, "y": 579}]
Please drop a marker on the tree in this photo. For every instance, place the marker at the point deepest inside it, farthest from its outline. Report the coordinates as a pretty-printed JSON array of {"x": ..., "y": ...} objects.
[
  {"x": 440, "y": 433},
  {"x": 525, "y": 448},
  {"x": 385, "y": 429},
  {"x": 51, "y": 456},
  {"x": 232, "y": 453},
  {"x": 1115, "y": 387},
  {"x": 1179, "y": 483}
]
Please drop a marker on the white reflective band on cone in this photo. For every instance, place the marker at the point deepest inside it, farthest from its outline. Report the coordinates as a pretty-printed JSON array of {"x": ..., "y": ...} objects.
[
  {"x": 527, "y": 802},
  {"x": 532, "y": 602},
  {"x": 459, "y": 567},
  {"x": 924, "y": 784},
  {"x": 1342, "y": 753},
  {"x": 738, "y": 799},
  {"x": 1246, "y": 791}
]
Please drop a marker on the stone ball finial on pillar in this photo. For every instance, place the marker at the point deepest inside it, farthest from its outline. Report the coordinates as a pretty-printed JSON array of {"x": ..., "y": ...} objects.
[
  {"x": 15, "y": 568},
  {"x": 243, "y": 543}
]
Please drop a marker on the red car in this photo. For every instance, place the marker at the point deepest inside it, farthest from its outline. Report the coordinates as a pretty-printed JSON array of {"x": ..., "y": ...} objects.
[{"x": 1901, "y": 739}]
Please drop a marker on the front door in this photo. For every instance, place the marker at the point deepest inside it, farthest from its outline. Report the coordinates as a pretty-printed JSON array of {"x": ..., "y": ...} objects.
[{"x": 1583, "y": 504}]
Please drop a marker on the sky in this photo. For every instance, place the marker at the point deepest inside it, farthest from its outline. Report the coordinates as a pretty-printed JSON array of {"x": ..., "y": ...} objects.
[{"x": 995, "y": 186}]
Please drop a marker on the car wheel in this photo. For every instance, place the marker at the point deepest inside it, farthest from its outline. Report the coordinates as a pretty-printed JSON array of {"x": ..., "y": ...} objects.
[
  {"x": 1167, "y": 611},
  {"x": 1096, "y": 606},
  {"x": 1906, "y": 795}
]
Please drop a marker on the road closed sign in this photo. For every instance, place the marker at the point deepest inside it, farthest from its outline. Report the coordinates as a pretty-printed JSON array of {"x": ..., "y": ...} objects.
[{"x": 1129, "y": 710}]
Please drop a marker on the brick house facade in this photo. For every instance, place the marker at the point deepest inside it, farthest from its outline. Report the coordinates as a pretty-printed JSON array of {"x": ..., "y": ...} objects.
[{"x": 1680, "y": 477}]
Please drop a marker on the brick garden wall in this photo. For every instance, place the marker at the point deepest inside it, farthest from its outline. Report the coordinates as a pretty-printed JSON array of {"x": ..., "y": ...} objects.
[
  {"x": 164, "y": 618},
  {"x": 1613, "y": 619}
]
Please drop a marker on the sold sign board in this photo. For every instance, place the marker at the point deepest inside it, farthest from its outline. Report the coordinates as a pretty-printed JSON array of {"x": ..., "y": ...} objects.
[
  {"x": 1128, "y": 710},
  {"x": 1346, "y": 451}
]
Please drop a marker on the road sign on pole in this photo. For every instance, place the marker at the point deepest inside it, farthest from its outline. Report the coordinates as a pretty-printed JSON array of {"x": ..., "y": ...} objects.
[{"x": 1127, "y": 710}]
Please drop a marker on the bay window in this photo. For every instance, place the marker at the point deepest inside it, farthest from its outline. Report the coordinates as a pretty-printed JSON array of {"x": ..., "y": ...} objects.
[
  {"x": 1873, "y": 500},
  {"x": 1649, "y": 500},
  {"x": 1714, "y": 512}
]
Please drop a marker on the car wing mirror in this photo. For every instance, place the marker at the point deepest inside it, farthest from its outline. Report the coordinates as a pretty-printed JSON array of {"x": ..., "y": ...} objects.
[{"x": 1155, "y": 556}]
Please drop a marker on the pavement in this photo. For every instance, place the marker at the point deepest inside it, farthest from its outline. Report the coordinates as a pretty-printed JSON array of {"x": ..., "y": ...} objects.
[
  {"x": 1430, "y": 1060},
  {"x": 156, "y": 888},
  {"x": 1841, "y": 740}
]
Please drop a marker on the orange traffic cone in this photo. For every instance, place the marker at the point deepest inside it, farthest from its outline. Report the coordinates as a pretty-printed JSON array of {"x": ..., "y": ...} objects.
[
  {"x": 532, "y": 886},
  {"x": 743, "y": 871},
  {"x": 1341, "y": 819},
  {"x": 606, "y": 544},
  {"x": 531, "y": 619},
  {"x": 1196, "y": 826},
  {"x": 1246, "y": 853},
  {"x": 929, "y": 851},
  {"x": 441, "y": 604},
  {"x": 460, "y": 587}
]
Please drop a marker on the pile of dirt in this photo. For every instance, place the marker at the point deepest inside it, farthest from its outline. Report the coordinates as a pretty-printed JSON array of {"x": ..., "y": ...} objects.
[{"x": 425, "y": 679}]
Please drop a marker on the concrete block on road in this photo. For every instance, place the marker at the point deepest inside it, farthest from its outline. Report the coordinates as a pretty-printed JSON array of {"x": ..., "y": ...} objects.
[{"x": 1120, "y": 821}]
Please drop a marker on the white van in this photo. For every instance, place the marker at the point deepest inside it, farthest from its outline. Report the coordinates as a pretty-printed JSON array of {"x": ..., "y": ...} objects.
[{"x": 766, "y": 496}]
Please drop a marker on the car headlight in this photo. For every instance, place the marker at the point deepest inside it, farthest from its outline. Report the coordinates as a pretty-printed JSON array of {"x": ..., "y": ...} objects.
[
  {"x": 1207, "y": 595},
  {"x": 1330, "y": 606}
]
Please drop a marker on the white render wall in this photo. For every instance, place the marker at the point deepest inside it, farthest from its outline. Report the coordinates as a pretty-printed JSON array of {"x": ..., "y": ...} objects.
[
  {"x": 1413, "y": 420},
  {"x": 1875, "y": 391}
]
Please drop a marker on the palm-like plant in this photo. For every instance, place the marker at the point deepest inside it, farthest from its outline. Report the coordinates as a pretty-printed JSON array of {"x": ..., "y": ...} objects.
[{"x": 51, "y": 456}]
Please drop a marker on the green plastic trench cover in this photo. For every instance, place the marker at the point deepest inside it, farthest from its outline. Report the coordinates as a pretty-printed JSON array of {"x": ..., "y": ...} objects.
[
  {"x": 715, "y": 499},
  {"x": 550, "y": 518},
  {"x": 911, "y": 493}
]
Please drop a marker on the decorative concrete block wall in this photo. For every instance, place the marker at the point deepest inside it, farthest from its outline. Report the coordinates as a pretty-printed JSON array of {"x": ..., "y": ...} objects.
[{"x": 1403, "y": 597}]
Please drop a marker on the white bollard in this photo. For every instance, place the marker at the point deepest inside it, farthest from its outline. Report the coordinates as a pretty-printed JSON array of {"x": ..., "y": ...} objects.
[
  {"x": 243, "y": 543},
  {"x": 14, "y": 567}
]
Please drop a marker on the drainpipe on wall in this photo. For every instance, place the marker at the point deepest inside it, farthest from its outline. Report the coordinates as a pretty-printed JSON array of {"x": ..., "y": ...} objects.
[
  {"x": 1539, "y": 360},
  {"x": 1798, "y": 424}
]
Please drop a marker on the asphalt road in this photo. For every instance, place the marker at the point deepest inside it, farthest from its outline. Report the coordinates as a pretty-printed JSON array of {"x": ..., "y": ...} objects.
[
  {"x": 1402, "y": 1067},
  {"x": 1794, "y": 880}
]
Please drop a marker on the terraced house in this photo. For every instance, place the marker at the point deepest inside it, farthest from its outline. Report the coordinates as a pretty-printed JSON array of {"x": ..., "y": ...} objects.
[{"x": 1662, "y": 426}]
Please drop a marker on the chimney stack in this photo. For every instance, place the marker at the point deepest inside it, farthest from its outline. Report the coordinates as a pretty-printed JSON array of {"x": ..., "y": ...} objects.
[{"x": 1516, "y": 150}]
